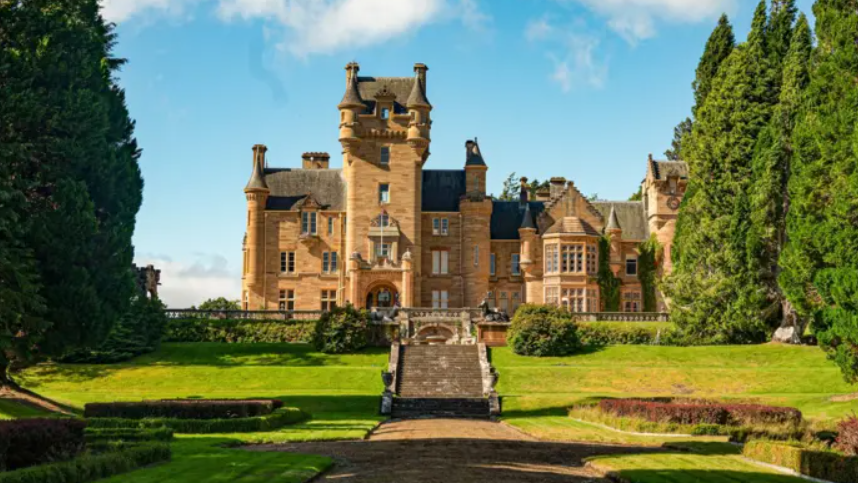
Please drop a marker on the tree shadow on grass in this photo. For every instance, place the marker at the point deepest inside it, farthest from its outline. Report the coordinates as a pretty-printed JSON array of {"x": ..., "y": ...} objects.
[{"x": 659, "y": 475}]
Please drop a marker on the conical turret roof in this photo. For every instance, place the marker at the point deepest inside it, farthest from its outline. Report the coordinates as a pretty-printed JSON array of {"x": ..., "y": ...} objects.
[
  {"x": 527, "y": 218},
  {"x": 417, "y": 98},
  {"x": 352, "y": 96},
  {"x": 257, "y": 179},
  {"x": 613, "y": 222}
]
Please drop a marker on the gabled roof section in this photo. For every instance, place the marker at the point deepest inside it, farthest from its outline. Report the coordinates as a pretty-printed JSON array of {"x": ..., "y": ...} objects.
[
  {"x": 507, "y": 218},
  {"x": 397, "y": 87},
  {"x": 442, "y": 189},
  {"x": 572, "y": 225},
  {"x": 290, "y": 189},
  {"x": 630, "y": 216}
]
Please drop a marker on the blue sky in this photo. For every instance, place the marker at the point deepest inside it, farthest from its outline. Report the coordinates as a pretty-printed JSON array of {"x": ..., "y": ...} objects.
[{"x": 583, "y": 89}]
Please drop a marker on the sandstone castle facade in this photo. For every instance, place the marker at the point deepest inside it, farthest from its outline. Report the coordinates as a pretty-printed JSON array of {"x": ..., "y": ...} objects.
[{"x": 384, "y": 230}]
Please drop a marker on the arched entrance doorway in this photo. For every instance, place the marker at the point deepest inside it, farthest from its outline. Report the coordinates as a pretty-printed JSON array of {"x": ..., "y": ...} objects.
[{"x": 382, "y": 295}]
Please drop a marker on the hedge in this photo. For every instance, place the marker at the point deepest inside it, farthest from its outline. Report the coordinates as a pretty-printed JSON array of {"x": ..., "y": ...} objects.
[
  {"x": 29, "y": 442},
  {"x": 89, "y": 468},
  {"x": 627, "y": 333},
  {"x": 275, "y": 420},
  {"x": 342, "y": 330},
  {"x": 702, "y": 412},
  {"x": 183, "y": 409},
  {"x": 128, "y": 434},
  {"x": 543, "y": 331},
  {"x": 241, "y": 331},
  {"x": 824, "y": 465}
]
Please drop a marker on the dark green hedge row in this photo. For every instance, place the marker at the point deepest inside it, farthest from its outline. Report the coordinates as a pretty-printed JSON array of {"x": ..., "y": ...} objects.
[
  {"x": 184, "y": 409},
  {"x": 275, "y": 420},
  {"x": 627, "y": 333},
  {"x": 823, "y": 465},
  {"x": 128, "y": 434},
  {"x": 89, "y": 468},
  {"x": 234, "y": 330},
  {"x": 30, "y": 442}
]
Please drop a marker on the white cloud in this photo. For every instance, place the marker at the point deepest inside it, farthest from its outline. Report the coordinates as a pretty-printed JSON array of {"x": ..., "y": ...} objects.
[
  {"x": 573, "y": 52},
  {"x": 189, "y": 283},
  {"x": 472, "y": 16},
  {"x": 121, "y": 10},
  {"x": 636, "y": 19},
  {"x": 538, "y": 29}
]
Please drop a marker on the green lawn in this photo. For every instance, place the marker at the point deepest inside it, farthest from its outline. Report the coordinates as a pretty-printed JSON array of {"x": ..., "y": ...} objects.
[
  {"x": 340, "y": 392},
  {"x": 14, "y": 410}
]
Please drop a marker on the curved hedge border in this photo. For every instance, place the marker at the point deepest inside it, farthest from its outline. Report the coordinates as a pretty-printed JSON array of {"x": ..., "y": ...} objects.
[
  {"x": 702, "y": 412},
  {"x": 88, "y": 468},
  {"x": 184, "y": 409},
  {"x": 277, "y": 419},
  {"x": 823, "y": 465},
  {"x": 235, "y": 330},
  {"x": 128, "y": 434}
]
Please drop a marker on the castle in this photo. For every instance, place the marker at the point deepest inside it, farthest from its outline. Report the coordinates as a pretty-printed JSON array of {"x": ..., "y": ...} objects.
[{"x": 385, "y": 231}]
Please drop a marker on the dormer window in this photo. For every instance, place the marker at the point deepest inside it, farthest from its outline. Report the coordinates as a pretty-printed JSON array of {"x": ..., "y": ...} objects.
[
  {"x": 308, "y": 222},
  {"x": 385, "y": 113},
  {"x": 672, "y": 186},
  {"x": 384, "y": 158}
]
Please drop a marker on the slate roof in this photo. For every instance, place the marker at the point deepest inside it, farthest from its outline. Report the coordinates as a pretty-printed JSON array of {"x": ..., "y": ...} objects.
[
  {"x": 417, "y": 98},
  {"x": 289, "y": 186},
  {"x": 507, "y": 217},
  {"x": 351, "y": 97},
  {"x": 665, "y": 169},
  {"x": 401, "y": 87},
  {"x": 442, "y": 189},
  {"x": 527, "y": 218},
  {"x": 631, "y": 217},
  {"x": 572, "y": 225}
]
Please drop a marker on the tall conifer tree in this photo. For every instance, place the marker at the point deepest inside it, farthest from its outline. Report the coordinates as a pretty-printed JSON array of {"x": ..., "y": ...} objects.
[{"x": 820, "y": 261}]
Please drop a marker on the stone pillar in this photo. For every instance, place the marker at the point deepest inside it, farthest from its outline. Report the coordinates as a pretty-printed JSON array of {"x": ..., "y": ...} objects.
[
  {"x": 354, "y": 278},
  {"x": 406, "y": 298}
]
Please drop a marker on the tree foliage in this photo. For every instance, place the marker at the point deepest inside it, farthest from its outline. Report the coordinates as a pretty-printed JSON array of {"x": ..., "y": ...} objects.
[
  {"x": 681, "y": 130},
  {"x": 609, "y": 285},
  {"x": 220, "y": 303},
  {"x": 511, "y": 188}
]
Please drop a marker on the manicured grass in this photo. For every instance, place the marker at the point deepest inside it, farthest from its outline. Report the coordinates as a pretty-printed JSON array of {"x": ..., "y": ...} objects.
[
  {"x": 340, "y": 392},
  {"x": 15, "y": 410}
]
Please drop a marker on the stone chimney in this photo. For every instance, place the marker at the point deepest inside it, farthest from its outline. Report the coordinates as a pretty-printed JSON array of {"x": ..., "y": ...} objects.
[
  {"x": 420, "y": 71},
  {"x": 558, "y": 186},
  {"x": 352, "y": 69},
  {"x": 523, "y": 192},
  {"x": 315, "y": 160},
  {"x": 543, "y": 194},
  {"x": 259, "y": 155}
]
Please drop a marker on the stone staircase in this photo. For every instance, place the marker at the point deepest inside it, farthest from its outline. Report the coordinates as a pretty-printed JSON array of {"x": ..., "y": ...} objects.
[{"x": 440, "y": 380}]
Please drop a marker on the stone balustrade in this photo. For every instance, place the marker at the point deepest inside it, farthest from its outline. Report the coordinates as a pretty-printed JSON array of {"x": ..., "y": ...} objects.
[{"x": 244, "y": 314}]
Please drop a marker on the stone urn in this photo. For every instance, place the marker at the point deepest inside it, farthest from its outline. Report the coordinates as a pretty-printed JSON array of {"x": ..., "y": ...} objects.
[{"x": 387, "y": 379}]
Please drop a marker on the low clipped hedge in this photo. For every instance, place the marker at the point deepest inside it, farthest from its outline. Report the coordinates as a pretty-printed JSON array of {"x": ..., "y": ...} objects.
[
  {"x": 30, "y": 442},
  {"x": 702, "y": 412},
  {"x": 128, "y": 434},
  {"x": 824, "y": 465},
  {"x": 239, "y": 331},
  {"x": 627, "y": 333},
  {"x": 91, "y": 467},
  {"x": 543, "y": 331},
  {"x": 277, "y": 419},
  {"x": 184, "y": 409}
]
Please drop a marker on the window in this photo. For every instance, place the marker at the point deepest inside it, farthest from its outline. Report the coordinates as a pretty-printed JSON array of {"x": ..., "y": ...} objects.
[
  {"x": 383, "y": 220},
  {"x": 329, "y": 262},
  {"x": 385, "y": 155},
  {"x": 385, "y": 112},
  {"x": 552, "y": 295},
  {"x": 308, "y": 222},
  {"x": 672, "y": 183},
  {"x": 477, "y": 256},
  {"x": 631, "y": 265},
  {"x": 632, "y": 302},
  {"x": 516, "y": 265},
  {"x": 246, "y": 300},
  {"x": 592, "y": 257},
  {"x": 593, "y": 300},
  {"x": 384, "y": 193},
  {"x": 574, "y": 299},
  {"x": 439, "y": 299},
  {"x": 440, "y": 259},
  {"x": 492, "y": 264},
  {"x": 287, "y": 262},
  {"x": 382, "y": 250},
  {"x": 330, "y": 225},
  {"x": 516, "y": 301},
  {"x": 329, "y": 300},
  {"x": 551, "y": 259},
  {"x": 572, "y": 258},
  {"x": 287, "y": 300},
  {"x": 440, "y": 226},
  {"x": 504, "y": 302}
]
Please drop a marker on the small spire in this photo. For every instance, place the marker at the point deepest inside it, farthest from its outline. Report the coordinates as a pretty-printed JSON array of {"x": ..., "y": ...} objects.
[
  {"x": 527, "y": 219},
  {"x": 417, "y": 98},
  {"x": 257, "y": 178},
  {"x": 613, "y": 222},
  {"x": 473, "y": 157},
  {"x": 352, "y": 97}
]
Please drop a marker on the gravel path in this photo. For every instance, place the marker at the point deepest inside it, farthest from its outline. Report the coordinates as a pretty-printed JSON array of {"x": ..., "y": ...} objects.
[{"x": 452, "y": 451}]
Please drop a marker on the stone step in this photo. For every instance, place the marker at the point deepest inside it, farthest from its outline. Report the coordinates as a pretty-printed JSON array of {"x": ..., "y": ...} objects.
[{"x": 441, "y": 407}]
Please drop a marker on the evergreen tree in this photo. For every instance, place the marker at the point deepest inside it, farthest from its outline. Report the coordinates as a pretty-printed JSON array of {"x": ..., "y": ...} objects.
[
  {"x": 681, "y": 130},
  {"x": 716, "y": 296},
  {"x": 820, "y": 260},
  {"x": 780, "y": 29},
  {"x": 718, "y": 48},
  {"x": 72, "y": 147}
]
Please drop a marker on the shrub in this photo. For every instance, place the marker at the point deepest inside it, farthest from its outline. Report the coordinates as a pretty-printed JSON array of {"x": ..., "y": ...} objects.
[
  {"x": 665, "y": 412},
  {"x": 88, "y": 468},
  {"x": 29, "y": 442},
  {"x": 183, "y": 409},
  {"x": 824, "y": 465},
  {"x": 342, "y": 330},
  {"x": 239, "y": 331},
  {"x": 275, "y": 420},
  {"x": 847, "y": 436},
  {"x": 543, "y": 331},
  {"x": 128, "y": 434},
  {"x": 760, "y": 414},
  {"x": 626, "y": 333}
]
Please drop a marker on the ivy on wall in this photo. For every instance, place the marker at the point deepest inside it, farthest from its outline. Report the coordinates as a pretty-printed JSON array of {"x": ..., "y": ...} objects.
[
  {"x": 609, "y": 285},
  {"x": 648, "y": 260}
]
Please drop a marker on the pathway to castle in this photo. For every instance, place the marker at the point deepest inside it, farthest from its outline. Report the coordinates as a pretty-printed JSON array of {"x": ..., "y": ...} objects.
[{"x": 453, "y": 451}]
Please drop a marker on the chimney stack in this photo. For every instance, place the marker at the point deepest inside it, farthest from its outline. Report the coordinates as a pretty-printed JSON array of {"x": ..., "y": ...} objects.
[
  {"x": 523, "y": 192},
  {"x": 315, "y": 160},
  {"x": 558, "y": 185},
  {"x": 420, "y": 70},
  {"x": 259, "y": 155},
  {"x": 352, "y": 69}
]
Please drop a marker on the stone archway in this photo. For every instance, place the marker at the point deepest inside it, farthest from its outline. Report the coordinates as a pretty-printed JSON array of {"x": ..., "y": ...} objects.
[
  {"x": 435, "y": 334},
  {"x": 382, "y": 295}
]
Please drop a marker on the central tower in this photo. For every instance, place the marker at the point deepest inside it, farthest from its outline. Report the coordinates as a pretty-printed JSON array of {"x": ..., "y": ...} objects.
[{"x": 384, "y": 133}]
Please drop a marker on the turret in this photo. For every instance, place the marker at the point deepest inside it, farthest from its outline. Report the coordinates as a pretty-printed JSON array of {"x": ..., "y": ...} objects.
[
  {"x": 350, "y": 107},
  {"x": 475, "y": 170},
  {"x": 256, "y": 193},
  {"x": 419, "y": 108},
  {"x": 615, "y": 234},
  {"x": 526, "y": 231}
]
